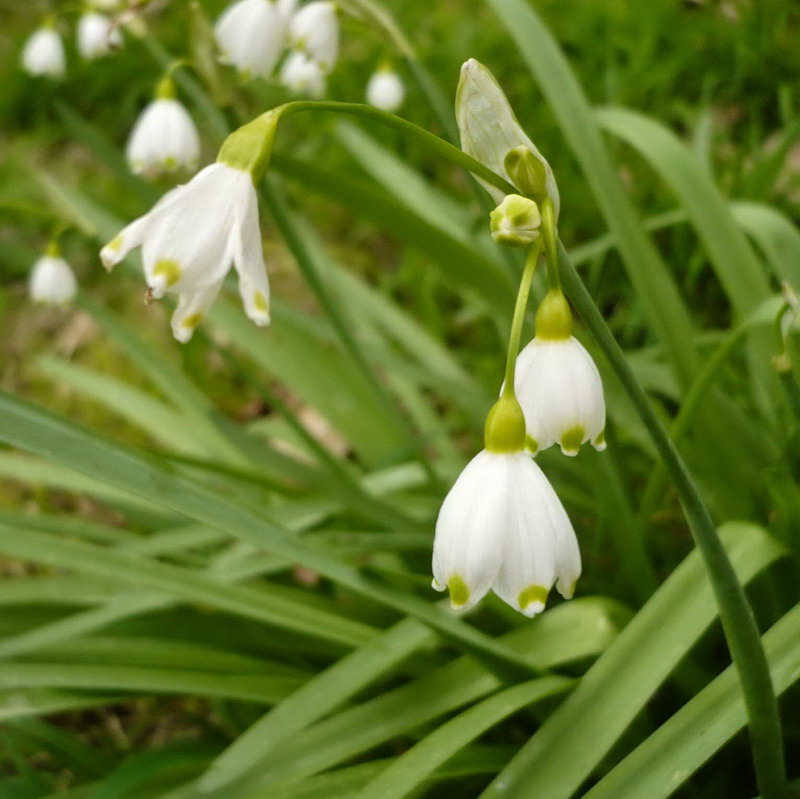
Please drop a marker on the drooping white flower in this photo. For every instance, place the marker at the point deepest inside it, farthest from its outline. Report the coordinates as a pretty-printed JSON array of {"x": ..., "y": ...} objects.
[
  {"x": 250, "y": 35},
  {"x": 164, "y": 139},
  {"x": 314, "y": 29},
  {"x": 97, "y": 36},
  {"x": 189, "y": 240},
  {"x": 385, "y": 90},
  {"x": 489, "y": 130},
  {"x": 503, "y": 528},
  {"x": 287, "y": 9},
  {"x": 43, "y": 54},
  {"x": 561, "y": 394},
  {"x": 301, "y": 75},
  {"x": 52, "y": 282}
]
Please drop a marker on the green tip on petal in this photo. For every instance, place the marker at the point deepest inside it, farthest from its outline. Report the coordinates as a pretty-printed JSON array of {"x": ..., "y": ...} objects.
[
  {"x": 169, "y": 269},
  {"x": 192, "y": 321},
  {"x": 531, "y": 444},
  {"x": 260, "y": 302},
  {"x": 600, "y": 441},
  {"x": 572, "y": 439},
  {"x": 459, "y": 593},
  {"x": 531, "y": 594}
]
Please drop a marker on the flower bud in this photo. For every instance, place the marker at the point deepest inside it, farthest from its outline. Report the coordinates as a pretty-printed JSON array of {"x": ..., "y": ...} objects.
[
  {"x": 527, "y": 172},
  {"x": 515, "y": 222}
]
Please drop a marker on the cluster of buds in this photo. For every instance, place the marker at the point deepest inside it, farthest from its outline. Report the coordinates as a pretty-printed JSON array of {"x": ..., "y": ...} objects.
[
  {"x": 43, "y": 53},
  {"x": 502, "y": 527}
]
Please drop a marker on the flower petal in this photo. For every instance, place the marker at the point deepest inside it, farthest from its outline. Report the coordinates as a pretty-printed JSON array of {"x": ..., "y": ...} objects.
[
  {"x": 248, "y": 259},
  {"x": 190, "y": 311}
]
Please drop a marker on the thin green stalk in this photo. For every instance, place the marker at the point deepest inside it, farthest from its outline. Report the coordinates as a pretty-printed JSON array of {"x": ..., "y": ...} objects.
[
  {"x": 738, "y": 622},
  {"x": 519, "y": 317},
  {"x": 550, "y": 242},
  {"x": 408, "y": 129}
]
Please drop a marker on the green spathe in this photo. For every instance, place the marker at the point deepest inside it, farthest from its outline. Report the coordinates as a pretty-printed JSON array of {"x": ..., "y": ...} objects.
[{"x": 505, "y": 427}]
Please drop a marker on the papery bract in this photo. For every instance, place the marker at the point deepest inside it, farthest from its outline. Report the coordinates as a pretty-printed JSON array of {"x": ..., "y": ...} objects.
[{"x": 189, "y": 241}]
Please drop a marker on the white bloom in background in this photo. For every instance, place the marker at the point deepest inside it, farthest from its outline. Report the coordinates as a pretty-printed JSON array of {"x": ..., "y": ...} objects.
[
  {"x": 189, "y": 240},
  {"x": 301, "y": 75},
  {"x": 52, "y": 281},
  {"x": 43, "y": 54},
  {"x": 489, "y": 130},
  {"x": 314, "y": 29},
  {"x": 250, "y": 35},
  {"x": 502, "y": 527},
  {"x": 287, "y": 9},
  {"x": 97, "y": 36},
  {"x": 164, "y": 139},
  {"x": 385, "y": 90}
]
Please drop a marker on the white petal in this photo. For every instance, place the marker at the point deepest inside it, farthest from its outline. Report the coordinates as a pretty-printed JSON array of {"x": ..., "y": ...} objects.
[
  {"x": 250, "y": 35},
  {"x": 385, "y": 90},
  {"x": 489, "y": 128},
  {"x": 315, "y": 30},
  {"x": 468, "y": 542},
  {"x": 301, "y": 75},
  {"x": 561, "y": 394},
  {"x": 43, "y": 54},
  {"x": 248, "y": 258},
  {"x": 190, "y": 311},
  {"x": 164, "y": 138},
  {"x": 97, "y": 36},
  {"x": 52, "y": 281}
]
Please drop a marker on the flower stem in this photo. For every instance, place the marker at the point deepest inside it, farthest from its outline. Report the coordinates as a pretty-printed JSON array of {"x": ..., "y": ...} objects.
[
  {"x": 519, "y": 316},
  {"x": 738, "y": 622},
  {"x": 550, "y": 242},
  {"x": 408, "y": 129}
]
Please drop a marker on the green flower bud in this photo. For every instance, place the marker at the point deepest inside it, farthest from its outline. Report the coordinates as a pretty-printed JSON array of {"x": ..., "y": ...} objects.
[
  {"x": 505, "y": 427},
  {"x": 527, "y": 172},
  {"x": 515, "y": 222}
]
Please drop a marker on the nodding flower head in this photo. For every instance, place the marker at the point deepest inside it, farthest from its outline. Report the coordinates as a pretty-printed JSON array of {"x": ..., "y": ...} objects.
[
  {"x": 314, "y": 29},
  {"x": 43, "y": 53},
  {"x": 52, "y": 282},
  {"x": 301, "y": 75},
  {"x": 97, "y": 36},
  {"x": 385, "y": 90},
  {"x": 251, "y": 35},
  {"x": 189, "y": 241}
]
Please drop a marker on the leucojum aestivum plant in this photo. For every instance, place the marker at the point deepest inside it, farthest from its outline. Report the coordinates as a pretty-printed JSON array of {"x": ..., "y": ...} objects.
[{"x": 501, "y": 527}]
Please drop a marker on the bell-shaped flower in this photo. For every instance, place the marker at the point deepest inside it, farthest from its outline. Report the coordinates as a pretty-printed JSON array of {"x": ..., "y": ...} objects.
[
  {"x": 164, "y": 138},
  {"x": 287, "y": 9},
  {"x": 385, "y": 90},
  {"x": 250, "y": 35},
  {"x": 314, "y": 29},
  {"x": 189, "y": 241},
  {"x": 301, "y": 75},
  {"x": 490, "y": 133},
  {"x": 43, "y": 54},
  {"x": 51, "y": 281},
  {"x": 502, "y": 527},
  {"x": 558, "y": 385},
  {"x": 97, "y": 36}
]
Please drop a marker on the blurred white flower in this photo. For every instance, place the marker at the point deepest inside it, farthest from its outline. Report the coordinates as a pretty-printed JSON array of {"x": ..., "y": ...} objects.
[
  {"x": 301, "y": 75},
  {"x": 287, "y": 8},
  {"x": 490, "y": 131},
  {"x": 250, "y": 35},
  {"x": 97, "y": 36},
  {"x": 502, "y": 527},
  {"x": 561, "y": 394},
  {"x": 189, "y": 240},
  {"x": 43, "y": 54},
  {"x": 314, "y": 29},
  {"x": 164, "y": 139},
  {"x": 385, "y": 90},
  {"x": 52, "y": 281}
]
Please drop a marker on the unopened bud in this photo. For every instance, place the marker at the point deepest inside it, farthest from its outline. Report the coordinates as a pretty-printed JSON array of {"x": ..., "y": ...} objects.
[
  {"x": 515, "y": 222},
  {"x": 527, "y": 172}
]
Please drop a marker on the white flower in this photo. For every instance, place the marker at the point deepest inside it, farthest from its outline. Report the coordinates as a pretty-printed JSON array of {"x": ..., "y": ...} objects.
[
  {"x": 164, "y": 139},
  {"x": 97, "y": 36},
  {"x": 301, "y": 75},
  {"x": 502, "y": 527},
  {"x": 52, "y": 281},
  {"x": 561, "y": 394},
  {"x": 287, "y": 9},
  {"x": 385, "y": 90},
  {"x": 315, "y": 30},
  {"x": 189, "y": 240},
  {"x": 250, "y": 35},
  {"x": 43, "y": 54},
  {"x": 489, "y": 130}
]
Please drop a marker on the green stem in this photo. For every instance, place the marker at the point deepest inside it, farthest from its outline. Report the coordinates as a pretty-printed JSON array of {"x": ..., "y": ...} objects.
[
  {"x": 550, "y": 235},
  {"x": 408, "y": 129},
  {"x": 519, "y": 317},
  {"x": 738, "y": 622}
]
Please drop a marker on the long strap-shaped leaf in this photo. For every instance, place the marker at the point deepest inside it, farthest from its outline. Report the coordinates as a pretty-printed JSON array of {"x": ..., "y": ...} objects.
[
  {"x": 579, "y": 734},
  {"x": 26, "y": 426}
]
